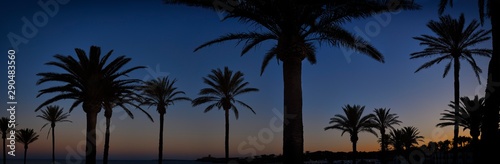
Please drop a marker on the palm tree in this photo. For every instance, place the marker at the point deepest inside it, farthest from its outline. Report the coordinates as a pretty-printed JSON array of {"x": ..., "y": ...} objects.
[
  {"x": 224, "y": 86},
  {"x": 353, "y": 123},
  {"x": 119, "y": 93},
  {"x": 26, "y": 136},
  {"x": 82, "y": 81},
  {"x": 396, "y": 140},
  {"x": 53, "y": 114},
  {"x": 470, "y": 115},
  {"x": 161, "y": 92},
  {"x": 454, "y": 41},
  {"x": 489, "y": 135},
  {"x": 383, "y": 120},
  {"x": 4, "y": 128},
  {"x": 411, "y": 137},
  {"x": 295, "y": 27}
]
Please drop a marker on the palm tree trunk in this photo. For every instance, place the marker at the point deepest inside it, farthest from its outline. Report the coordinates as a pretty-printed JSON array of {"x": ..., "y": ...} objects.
[
  {"x": 160, "y": 145},
  {"x": 456, "y": 102},
  {"x": 90, "y": 157},
  {"x": 490, "y": 125},
  {"x": 4, "y": 136},
  {"x": 384, "y": 145},
  {"x": 25, "y": 153},
  {"x": 107, "y": 113},
  {"x": 354, "y": 152},
  {"x": 53, "y": 144},
  {"x": 226, "y": 141},
  {"x": 293, "y": 134}
]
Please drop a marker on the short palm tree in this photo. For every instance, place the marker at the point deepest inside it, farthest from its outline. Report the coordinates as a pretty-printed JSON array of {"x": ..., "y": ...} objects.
[
  {"x": 470, "y": 115},
  {"x": 161, "y": 92},
  {"x": 383, "y": 120},
  {"x": 119, "y": 93},
  {"x": 396, "y": 140},
  {"x": 353, "y": 123},
  {"x": 455, "y": 41},
  {"x": 224, "y": 86},
  {"x": 53, "y": 114},
  {"x": 26, "y": 136},
  {"x": 297, "y": 28},
  {"x": 81, "y": 81},
  {"x": 4, "y": 128},
  {"x": 411, "y": 137}
]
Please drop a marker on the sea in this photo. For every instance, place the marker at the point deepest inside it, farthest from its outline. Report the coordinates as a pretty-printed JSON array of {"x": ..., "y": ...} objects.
[{"x": 49, "y": 161}]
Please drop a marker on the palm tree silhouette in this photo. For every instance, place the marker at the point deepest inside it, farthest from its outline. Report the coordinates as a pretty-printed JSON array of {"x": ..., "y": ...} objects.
[
  {"x": 161, "y": 92},
  {"x": 353, "y": 123},
  {"x": 470, "y": 114},
  {"x": 26, "y": 136},
  {"x": 396, "y": 140},
  {"x": 224, "y": 86},
  {"x": 119, "y": 92},
  {"x": 53, "y": 114},
  {"x": 454, "y": 42},
  {"x": 295, "y": 27},
  {"x": 83, "y": 81},
  {"x": 411, "y": 136},
  {"x": 383, "y": 120},
  {"x": 464, "y": 141},
  {"x": 4, "y": 128},
  {"x": 489, "y": 135}
]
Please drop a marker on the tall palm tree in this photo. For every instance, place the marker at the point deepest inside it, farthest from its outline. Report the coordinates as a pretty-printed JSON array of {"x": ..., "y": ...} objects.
[
  {"x": 26, "y": 136},
  {"x": 353, "y": 123},
  {"x": 82, "y": 81},
  {"x": 4, "y": 128},
  {"x": 161, "y": 92},
  {"x": 454, "y": 42},
  {"x": 297, "y": 28},
  {"x": 470, "y": 115},
  {"x": 120, "y": 93},
  {"x": 53, "y": 114},
  {"x": 224, "y": 86},
  {"x": 489, "y": 135},
  {"x": 383, "y": 120}
]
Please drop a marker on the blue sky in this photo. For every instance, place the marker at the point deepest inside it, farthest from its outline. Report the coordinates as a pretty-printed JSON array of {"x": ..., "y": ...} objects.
[{"x": 163, "y": 37}]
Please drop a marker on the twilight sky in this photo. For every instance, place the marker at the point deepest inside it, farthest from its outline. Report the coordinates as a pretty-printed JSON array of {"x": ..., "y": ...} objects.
[{"x": 162, "y": 38}]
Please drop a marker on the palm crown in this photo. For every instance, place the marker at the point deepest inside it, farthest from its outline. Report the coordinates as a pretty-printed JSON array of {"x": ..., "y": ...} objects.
[
  {"x": 224, "y": 87},
  {"x": 454, "y": 40}
]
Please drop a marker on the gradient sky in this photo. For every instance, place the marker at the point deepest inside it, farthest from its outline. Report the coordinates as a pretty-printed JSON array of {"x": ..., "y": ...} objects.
[{"x": 162, "y": 38}]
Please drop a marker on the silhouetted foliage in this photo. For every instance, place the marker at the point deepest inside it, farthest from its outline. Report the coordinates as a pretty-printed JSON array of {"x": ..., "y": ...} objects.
[
  {"x": 296, "y": 28},
  {"x": 82, "y": 81},
  {"x": 454, "y": 42},
  {"x": 53, "y": 114},
  {"x": 26, "y": 136},
  {"x": 119, "y": 93},
  {"x": 224, "y": 86},
  {"x": 353, "y": 122},
  {"x": 4, "y": 128},
  {"x": 384, "y": 119},
  {"x": 489, "y": 130},
  {"x": 161, "y": 92}
]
